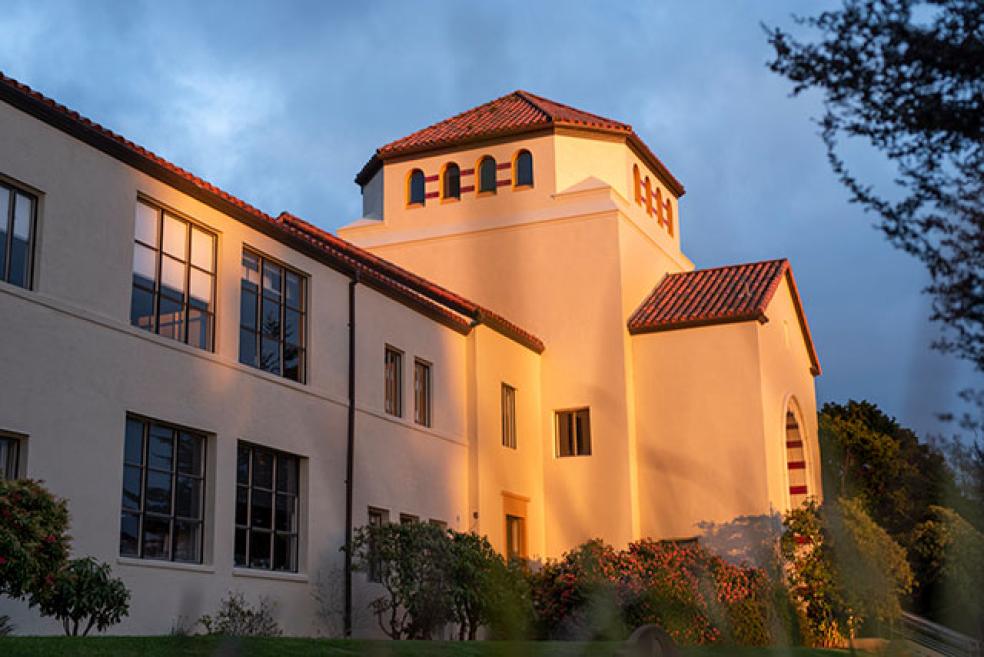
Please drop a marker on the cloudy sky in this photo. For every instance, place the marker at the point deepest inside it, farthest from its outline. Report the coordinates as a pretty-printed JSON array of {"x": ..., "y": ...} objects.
[{"x": 281, "y": 103}]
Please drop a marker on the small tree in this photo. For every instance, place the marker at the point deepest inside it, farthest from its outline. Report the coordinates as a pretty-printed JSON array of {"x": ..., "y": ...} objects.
[
  {"x": 475, "y": 573},
  {"x": 33, "y": 542},
  {"x": 843, "y": 568},
  {"x": 84, "y": 594},
  {"x": 413, "y": 564}
]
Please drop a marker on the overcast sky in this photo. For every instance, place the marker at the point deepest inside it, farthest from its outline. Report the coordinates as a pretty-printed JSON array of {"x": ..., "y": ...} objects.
[{"x": 281, "y": 103}]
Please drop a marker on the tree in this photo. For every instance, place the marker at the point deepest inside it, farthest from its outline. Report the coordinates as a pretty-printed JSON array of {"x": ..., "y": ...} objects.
[
  {"x": 907, "y": 76},
  {"x": 866, "y": 455},
  {"x": 844, "y": 568},
  {"x": 474, "y": 568},
  {"x": 84, "y": 595},
  {"x": 33, "y": 540}
]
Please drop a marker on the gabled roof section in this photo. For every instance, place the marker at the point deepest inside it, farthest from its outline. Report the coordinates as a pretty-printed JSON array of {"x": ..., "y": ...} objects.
[
  {"x": 736, "y": 293},
  {"x": 403, "y": 286},
  {"x": 516, "y": 113}
]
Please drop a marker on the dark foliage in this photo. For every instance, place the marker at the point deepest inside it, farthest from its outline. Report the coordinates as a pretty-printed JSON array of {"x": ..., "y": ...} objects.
[{"x": 907, "y": 77}]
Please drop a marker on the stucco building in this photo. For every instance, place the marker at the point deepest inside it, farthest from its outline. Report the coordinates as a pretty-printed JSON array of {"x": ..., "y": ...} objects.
[{"x": 510, "y": 339}]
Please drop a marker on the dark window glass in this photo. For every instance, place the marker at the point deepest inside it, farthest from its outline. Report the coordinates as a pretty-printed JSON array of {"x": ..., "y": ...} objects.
[
  {"x": 416, "y": 192},
  {"x": 515, "y": 537},
  {"x": 508, "y": 416},
  {"x": 18, "y": 212},
  {"x": 377, "y": 518},
  {"x": 393, "y": 375},
  {"x": 422, "y": 393},
  {"x": 271, "y": 317},
  {"x": 407, "y": 518},
  {"x": 9, "y": 456},
  {"x": 267, "y": 507},
  {"x": 173, "y": 277},
  {"x": 574, "y": 433},
  {"x": 523, "y": 175},
  {"x": 452, "y": 181},
  {"x": 163, "y": 492},
  {"x": 487, "y": 175}
]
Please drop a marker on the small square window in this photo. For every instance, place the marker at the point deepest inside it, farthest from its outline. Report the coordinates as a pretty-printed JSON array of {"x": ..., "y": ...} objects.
[{"x": 573, "y": 432}]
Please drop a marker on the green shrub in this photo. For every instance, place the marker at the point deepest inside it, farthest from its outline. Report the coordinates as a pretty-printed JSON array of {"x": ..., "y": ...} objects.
[
  {"x": 236, "y": 617},
  {"x": 33, "y": 542},
  {"x": 84, "y": 595}
]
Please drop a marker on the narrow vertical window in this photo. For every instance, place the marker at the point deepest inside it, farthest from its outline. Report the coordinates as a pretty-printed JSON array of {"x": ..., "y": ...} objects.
[
  {"x": 173, "y": 277},
  {"x": 573, "y": 432},
  {"x": 523, "y": 169},
  {"x": 163, "y": 492},
  {"x": 515, "y": 537},
  {"x": 451, "y": 183},
  {"x": 416, "y": 188},
  {"x": 487, "y": 175},
  {"x": 422, "y": 392},
  {"x": 377, "y": 518},
  {"x": 271, "y": 317},
  {"x": 508, "y": 416},
  {"x": 17, "y": 228},
  {"x": 393, "y": 378},
  {"x": 267, "y": 509},
  {"x": 9, "y": 457}
]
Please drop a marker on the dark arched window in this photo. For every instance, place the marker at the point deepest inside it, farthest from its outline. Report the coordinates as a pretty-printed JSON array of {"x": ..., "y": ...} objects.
[
  {"x": 486, "y": 175},
  {"x": 415, "y": 188},
  {"x": 523, "y": 169},
  {"x": 452, "y": 181}
]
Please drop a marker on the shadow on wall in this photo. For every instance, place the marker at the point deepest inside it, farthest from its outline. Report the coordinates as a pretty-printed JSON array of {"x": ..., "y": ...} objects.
[{"x": 749, "y": 540}]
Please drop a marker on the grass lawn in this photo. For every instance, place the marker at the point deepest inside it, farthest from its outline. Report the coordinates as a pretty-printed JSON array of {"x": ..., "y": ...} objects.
[{"x": 168, "y": 646}]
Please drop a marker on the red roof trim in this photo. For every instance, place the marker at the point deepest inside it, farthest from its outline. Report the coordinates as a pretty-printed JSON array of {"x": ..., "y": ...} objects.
[
  {"x": 513, "y": 114},
  {"x": 402, "y": 286},
  {"x": 721, "y": 295}
]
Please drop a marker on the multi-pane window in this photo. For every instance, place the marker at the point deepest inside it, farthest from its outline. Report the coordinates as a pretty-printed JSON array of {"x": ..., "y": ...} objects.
[
  {"x": 267, "y": 514},
  {"x": 17, "y": 219},
  {"x": 515, "y": 537},
  {"x": 487, "y": 175},
  {"x": 173, "y": 277},
  {"x": 441, "y": 524},
  {"x": 422, "y": 392},
  {"x": 574, "y": 432},
  {"x": 523, "y": 169},
  {"x": 9, "y": 457},
  {"x": 408, "y": 518},
  {"x": 508, "y": 416},
  {"x": 163, "y": 492},
  {"x": 393, "y": 380},
  {"x": 377, "y": 518},
  {"x": 271, "y": 317}
]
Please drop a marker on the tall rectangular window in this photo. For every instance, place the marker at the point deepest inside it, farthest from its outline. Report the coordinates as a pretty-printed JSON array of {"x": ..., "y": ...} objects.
[
  {"x": 163, "y": 492},
  {"x": 9, "y": 457},
  {"x": 271, "y": 317},
  {"x": 393, "y": 371},
  {"x": 422, "y": 392},
  {"x": 515, "y": 537},
  {"x": 173, "y": 277},
  {"x": 508, "y": 416},
  {"x": 377, "y": 518},
  {"x": 267, "y": 508},
  {"x": 18, "y": 211},
  {"x": 574, "y": 432}
]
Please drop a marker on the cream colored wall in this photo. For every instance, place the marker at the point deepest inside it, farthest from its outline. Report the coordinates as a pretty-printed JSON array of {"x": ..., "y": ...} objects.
[
  {"x": 784, "y": 367},
  {"x": 76, "y": 368},
  {"x": 699, "y": 426},
  {"x": 502, "y": 470}
]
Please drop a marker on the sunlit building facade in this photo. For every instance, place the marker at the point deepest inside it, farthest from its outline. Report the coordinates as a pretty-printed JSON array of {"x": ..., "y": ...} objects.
[{"x": 510, "y": 339}]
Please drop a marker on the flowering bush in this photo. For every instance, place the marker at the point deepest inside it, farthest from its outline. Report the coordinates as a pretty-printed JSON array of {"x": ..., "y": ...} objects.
[
  {"x": 596, "y": 591},
  {"x": 33, "y": 543},
  {"x": 84, "y": 595}
]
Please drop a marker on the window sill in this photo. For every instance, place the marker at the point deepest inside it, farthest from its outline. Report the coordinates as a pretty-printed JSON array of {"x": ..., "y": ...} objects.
[
  {"x": 269, "y": 574},
  {"x": 165, "y": 565}
]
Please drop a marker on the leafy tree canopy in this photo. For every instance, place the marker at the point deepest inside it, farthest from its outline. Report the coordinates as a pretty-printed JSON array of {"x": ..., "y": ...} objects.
[{"x": 907, "y": 76}]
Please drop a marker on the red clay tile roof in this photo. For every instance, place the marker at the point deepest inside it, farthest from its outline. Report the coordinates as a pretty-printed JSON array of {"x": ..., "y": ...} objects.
[
  {"x": 737, "y": 293},
  {"x": 515, "y": 113},
  {"x": 407, "y": 288}
]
